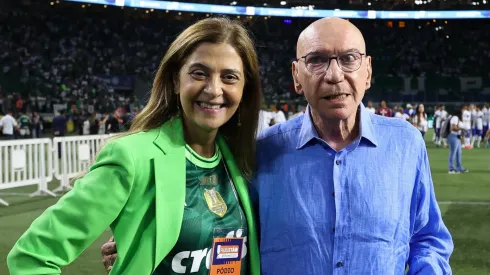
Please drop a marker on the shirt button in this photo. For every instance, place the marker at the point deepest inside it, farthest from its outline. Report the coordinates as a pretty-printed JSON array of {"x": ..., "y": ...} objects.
[
  {"x": 333, "y": 194},
  {"x": 340, "y": 264},
  {"x": 333, "y": 229},
  {"x": 338, "y": 162}
]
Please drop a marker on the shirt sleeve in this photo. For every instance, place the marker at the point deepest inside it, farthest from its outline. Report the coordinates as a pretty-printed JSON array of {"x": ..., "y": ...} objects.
[
  {"x": 431, "y": 244},
  {"x": 66, "y": 229}
]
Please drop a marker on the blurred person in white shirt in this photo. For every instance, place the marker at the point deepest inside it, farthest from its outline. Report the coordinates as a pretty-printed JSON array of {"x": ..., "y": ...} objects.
[
  {"x": 370, "y": 107},
  {"x": 437, "y": 124},
  {"x": 444, "y": 116},
  {"x": 400, "y": 113},
  {"x": 280, "y": 117},
  {"x": 478, "y": 130},
  {"x": 8, "y": 125},
  {"x": 466, "y": 119},
  {"x": 264, "y": 120},
  {"x": 457, "y": 127},
  {"x": 486, "y": 117}
]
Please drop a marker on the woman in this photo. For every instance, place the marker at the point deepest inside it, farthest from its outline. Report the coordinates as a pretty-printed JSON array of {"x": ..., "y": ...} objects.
[
  {"x": 171, "y": 188},
  {"x": 420, "y": 119},
  {"x": 456, "y": 125}
]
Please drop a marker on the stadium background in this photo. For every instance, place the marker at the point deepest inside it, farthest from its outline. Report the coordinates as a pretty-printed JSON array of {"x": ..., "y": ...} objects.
[{"x": 87, "y": 58}]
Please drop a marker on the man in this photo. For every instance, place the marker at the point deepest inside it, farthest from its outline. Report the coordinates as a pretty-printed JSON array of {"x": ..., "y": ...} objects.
[
  {"x": 466, "y": 118},
  {"x": 336, "y": 193},
  {"x": 384, "y": 110},
  {"x": 59, "y": 128},
  {"x": 437, "y": 126},
  {"x": 486, "y": 118},
  {"x": 24, "y": 126},
  {"x": 8, "y": 124},
  {"x": 444, "y": 116},
  {"x": 370, "y": 107}
]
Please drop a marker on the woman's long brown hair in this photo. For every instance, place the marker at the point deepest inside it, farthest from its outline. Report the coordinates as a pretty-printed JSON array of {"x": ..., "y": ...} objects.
[{"x": 163, "y": 103}]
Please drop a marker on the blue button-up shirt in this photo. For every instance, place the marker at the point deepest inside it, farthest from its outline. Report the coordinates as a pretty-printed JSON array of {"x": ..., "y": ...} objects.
[{"x": 369, "y": 208}]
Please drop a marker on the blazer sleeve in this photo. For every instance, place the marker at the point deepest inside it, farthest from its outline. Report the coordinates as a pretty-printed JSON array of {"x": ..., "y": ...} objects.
[{"x": 66, "y": 229}]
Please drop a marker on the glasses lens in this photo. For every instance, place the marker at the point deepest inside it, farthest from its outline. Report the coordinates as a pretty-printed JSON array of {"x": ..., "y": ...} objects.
[
  {"x": 316, "y": 63},
  {"x": 350, "y": 62}
]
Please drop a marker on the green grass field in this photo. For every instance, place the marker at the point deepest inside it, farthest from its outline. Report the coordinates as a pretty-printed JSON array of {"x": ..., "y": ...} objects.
[{"x": 468, "y": 223}]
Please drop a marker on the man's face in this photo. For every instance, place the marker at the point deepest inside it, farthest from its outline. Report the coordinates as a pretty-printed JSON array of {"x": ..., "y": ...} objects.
[{"x": 334, "y": 94}]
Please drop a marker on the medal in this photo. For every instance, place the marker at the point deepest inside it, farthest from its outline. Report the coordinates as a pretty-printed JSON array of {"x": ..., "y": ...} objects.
[{"x": 215, "y": 202}]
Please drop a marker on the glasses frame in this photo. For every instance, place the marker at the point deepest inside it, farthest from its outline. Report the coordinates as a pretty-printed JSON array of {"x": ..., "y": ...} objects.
[{"x": 330, "y": 61}]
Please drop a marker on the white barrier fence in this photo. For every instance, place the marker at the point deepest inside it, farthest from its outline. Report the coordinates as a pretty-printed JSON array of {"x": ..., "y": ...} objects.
[
  {"x": 26, "y": 162},
  {"x": 36, "y": 161},
  {"x": 76, "y": 154}
]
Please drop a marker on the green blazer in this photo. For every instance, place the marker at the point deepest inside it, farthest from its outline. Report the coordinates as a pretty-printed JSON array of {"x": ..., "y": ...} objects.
[{"x": 137, "y": 187}]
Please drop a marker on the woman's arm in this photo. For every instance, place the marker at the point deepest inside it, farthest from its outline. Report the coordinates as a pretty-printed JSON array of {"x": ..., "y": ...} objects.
[{"x": 66, "y": 229}]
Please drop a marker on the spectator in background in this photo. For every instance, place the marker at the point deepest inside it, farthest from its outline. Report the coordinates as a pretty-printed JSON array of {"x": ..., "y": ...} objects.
[
  {"x": 264, "y": 120},
  {"x": 370, "y": 107},
  {"x": 394, "y": 111},
  {"x": 457, "y": 127},
  {"x": 113, "y": 123},
  {"x": 8, "y": 125},
  {"x": 420, "y": 120},
  {"x": 384, "y": 110},
  {"x": 280, "y": 116},
  {"x": 399, "y": 113},
  {"x": 59, "y": 124},
  {"x": 409, "y": 110},
  {"x": 59, "y": 127},
  {"x": 37, "y": 125},
  {"x": 94, "y": 124},
  {"x": 24, "y": 126}
]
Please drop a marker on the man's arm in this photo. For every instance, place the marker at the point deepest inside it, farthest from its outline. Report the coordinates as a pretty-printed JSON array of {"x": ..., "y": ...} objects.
[{"x": 431, "y": 244}]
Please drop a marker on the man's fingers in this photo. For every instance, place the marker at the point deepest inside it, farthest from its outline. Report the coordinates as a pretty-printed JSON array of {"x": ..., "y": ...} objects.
[
  {"x": 109, "y": 260},
  {"x": 108, "y": 248}
]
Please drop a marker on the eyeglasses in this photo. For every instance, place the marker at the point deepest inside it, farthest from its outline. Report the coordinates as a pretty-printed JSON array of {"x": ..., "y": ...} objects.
[{"x": 318, "y": 63}]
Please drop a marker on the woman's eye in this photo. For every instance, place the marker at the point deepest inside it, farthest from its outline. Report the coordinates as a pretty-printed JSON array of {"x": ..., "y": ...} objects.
[
  {"x": 230, "y": 78},
  {"x": 198, "y": 74}
]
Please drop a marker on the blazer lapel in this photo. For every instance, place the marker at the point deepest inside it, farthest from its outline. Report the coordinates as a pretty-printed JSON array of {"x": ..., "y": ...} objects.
[
  {"x": 242, "y": 190},
  {"x": 169, "y": 169}
]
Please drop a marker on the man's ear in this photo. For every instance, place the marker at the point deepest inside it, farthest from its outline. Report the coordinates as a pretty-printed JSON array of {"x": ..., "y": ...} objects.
[
  {"x": 295, "y": 71},
  {"x": 369, "y": 69}
]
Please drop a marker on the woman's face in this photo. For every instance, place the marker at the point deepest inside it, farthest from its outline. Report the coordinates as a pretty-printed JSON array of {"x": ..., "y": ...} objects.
[
  {"x": 210, "y": 86},
  {"x": 421, "y": 108}
]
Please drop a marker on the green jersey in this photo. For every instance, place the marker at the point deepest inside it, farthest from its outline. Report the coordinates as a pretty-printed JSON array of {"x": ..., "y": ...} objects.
[
  {"x": 211, "y": 209},
  {"x": 24, "y": 122}
]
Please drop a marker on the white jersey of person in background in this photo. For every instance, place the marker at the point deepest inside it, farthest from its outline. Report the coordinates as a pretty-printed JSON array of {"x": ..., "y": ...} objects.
[
  {"x": 438, "y": 119},
  {"x": 423, "y": 125},
  {"x": 455, "y": 121},
  {"x": 264, "y": 120},
  {"x": 478, "y": 132},
  {"x": 279, "y": 117},
  {"x": 443, "y": 116},
  {"x": 466, "y": 118},
  {"x": 486, "y": 116},
  {"x": 473, "y": 116}
]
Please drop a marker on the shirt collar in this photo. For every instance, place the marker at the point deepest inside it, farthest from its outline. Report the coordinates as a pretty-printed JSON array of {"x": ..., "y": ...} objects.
[{"x": 308, "y": 130}]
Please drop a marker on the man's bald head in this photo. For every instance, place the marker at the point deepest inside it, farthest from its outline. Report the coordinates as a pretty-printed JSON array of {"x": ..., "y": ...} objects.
[{"x": 330, "y": 34}]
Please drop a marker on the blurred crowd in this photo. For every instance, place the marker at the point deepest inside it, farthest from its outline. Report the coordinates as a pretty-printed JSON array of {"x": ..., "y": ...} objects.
[{"x": 59, "y": 54}]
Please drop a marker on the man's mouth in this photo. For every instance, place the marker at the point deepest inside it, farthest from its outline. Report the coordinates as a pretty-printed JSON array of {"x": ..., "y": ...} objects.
[{"x": 336, "y": 97}]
